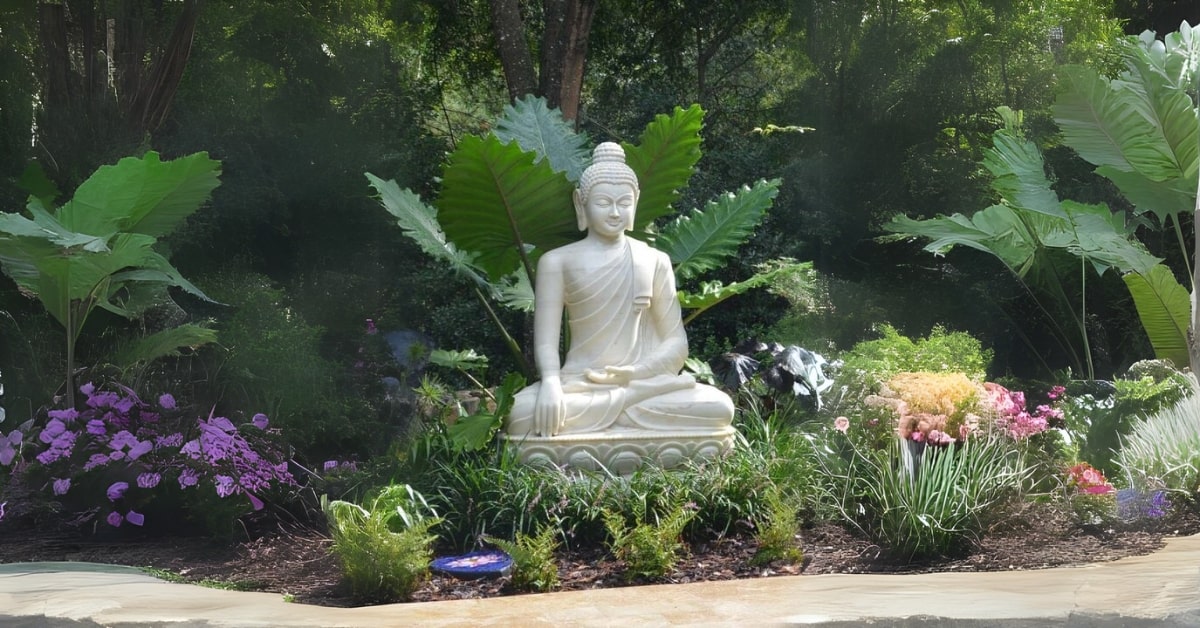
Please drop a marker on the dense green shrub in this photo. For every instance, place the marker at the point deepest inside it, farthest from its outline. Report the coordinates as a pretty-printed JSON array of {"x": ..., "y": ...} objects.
[
  {"x": 1098, "y": 419},
  {"x": 273, "y": 360},
  {"x": 871, "y": 363}
]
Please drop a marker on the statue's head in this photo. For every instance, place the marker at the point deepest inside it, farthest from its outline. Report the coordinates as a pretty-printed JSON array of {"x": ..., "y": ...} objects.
[{"x": 615, "y": 178}]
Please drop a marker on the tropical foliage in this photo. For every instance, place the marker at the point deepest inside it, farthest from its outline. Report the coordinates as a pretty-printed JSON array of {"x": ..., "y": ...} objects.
[
  {"x": 96, "y": 250},
  {"x": 493, "y": 233}
]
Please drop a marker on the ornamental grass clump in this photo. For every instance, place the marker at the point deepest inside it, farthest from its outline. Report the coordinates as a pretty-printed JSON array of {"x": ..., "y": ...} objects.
[
  {"x": 1163, "y": 449},
  {"x": 936, "y": 509},
  {"x": 118, "y": 456},
  {"x": 385, "y": 548}
]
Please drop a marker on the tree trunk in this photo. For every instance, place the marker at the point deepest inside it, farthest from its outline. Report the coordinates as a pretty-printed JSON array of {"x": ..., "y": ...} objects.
[
  {"x": 564, "y": 52},
  {"x": 515, "y": 58},
  {"x": 149, "y": 104}
]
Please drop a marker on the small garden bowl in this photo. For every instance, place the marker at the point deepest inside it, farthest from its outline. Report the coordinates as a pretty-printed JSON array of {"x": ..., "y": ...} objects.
[{"x": 490, "y": 563}]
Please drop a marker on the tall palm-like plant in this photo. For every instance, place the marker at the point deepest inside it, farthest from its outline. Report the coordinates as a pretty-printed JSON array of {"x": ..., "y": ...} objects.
[
  {"x": 506, "y": 200},
  {"x": 97, "y": 250},
  {"x": 1048, "y": 244},
  {"x": 1141, "y": 131}
]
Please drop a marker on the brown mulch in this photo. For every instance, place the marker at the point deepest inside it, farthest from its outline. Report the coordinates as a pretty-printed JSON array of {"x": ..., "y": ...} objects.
[{"x": 296, "y": 560}]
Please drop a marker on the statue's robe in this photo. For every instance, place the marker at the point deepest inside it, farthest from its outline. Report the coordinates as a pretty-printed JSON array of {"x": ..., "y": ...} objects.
[{"x": 625, "y": 312}]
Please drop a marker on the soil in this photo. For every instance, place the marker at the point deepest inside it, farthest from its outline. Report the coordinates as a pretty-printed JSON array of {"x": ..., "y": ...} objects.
[{"x": 295, "y": 560}]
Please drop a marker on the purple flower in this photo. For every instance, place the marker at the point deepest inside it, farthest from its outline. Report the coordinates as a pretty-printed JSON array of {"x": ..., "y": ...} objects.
[
  {"x": 254, "y": 501},
  {"x": 225, "y": 485},
  {"x": 141, "y": 447},
  {"x": 9, "y": 446},
  {"x": 148, "y": 480},
  {"x": 188, "y": 477},
  {"x": 123, "y": 405},
  {"x": 2, "y": 505},
  {"x": 260, "y": 421},
  {"x": 96, "y": 427},
  {"x": 62, "y": 485},
  {"x": 97, "y": 460},
  {"x": 52, "y": 429},
  {"x": 136, "y": 518},
  {"x": 69, "y": 414},
  {"x": 87, "y": 389},
  {"x": 101, "y": 400},
  {"x": 330, "y": 465},
  {"x": 117, "y": 490},
  {"x": 114, "y": 519},
  {"x": 122, "y": 440},
  {"x": 170, "y": 440},
  {"x": 166, "y": 401}
]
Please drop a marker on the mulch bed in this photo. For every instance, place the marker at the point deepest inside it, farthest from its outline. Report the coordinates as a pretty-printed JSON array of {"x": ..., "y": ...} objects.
[{"x": 296, "y": 560}]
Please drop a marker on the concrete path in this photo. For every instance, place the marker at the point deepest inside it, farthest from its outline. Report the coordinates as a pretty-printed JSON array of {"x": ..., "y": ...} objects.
[{"x": 1161, "y": 589}]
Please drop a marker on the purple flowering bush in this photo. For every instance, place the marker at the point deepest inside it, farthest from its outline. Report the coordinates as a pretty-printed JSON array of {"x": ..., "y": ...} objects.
[{"x": 120, "y": 458}]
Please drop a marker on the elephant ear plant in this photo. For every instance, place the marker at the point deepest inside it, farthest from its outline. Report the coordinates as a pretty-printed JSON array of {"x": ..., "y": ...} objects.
[
  {"x": 97, "y": 249},
  {"x": 506, "y": 200}
]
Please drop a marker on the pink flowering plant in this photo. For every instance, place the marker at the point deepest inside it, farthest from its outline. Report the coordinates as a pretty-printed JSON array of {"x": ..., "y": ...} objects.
[
  {"x": 1093, "y": 498},
  {"x": 1012, "y": 417},
  {"x": 117, "y": 455}
]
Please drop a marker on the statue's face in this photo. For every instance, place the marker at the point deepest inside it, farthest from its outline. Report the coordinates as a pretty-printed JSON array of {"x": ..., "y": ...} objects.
[{"x": 610, "y": 208}]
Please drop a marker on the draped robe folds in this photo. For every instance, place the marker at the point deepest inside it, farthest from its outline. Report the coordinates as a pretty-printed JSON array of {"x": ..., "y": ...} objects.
[{"x": 624, "y": 312}]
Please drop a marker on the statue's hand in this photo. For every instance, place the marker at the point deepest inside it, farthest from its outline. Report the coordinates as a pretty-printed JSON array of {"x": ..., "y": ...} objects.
[
  {"x": 613, "y": 375},
  {"x": 548, "y": 412}
]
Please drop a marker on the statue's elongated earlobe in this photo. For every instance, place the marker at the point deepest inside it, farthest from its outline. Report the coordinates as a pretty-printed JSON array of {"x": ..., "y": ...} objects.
[{"x": 580, "y": 211}]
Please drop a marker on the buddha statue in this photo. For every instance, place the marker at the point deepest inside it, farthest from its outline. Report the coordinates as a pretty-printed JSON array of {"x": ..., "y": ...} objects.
[{"x": 618, "y": 397}]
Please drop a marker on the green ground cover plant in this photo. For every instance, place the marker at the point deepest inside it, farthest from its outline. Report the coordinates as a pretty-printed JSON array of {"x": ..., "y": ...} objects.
[
  {"x": 385, "y": 547},
  {"x": 652, "y": 543},
  {"x": 534, "y": 568}
]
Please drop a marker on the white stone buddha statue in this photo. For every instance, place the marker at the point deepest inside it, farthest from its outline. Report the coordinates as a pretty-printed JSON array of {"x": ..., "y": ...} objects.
[{"x": 621, "y": 376}]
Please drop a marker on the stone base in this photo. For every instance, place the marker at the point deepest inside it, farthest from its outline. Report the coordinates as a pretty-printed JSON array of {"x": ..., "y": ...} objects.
[{"x": 622, "y": 451}]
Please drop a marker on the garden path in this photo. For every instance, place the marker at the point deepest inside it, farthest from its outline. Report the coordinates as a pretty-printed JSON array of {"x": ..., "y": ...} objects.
[{"x": 1159, "y": 589}]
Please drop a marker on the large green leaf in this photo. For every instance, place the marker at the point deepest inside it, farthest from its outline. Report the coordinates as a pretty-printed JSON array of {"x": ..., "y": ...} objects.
[
  {"x": 496, "y": 202},
  {"x": 539, "y": 129},
  {"x": 83, "y": 277},
  {"x": 141, "y": 195},
  {"x": 714, "y": 292},
  {"x": 1138, "y": 132},
  {"x": 1164, "y": 307},
  {"x": 664, "y": 160},
  {"x": 701, "y": 240},
  {"x": 1018, "y": 169},
  {"x": 419, "y": 222},
  {"x": 1102, "y": 237},
  {"x": 167, "y": 342}
]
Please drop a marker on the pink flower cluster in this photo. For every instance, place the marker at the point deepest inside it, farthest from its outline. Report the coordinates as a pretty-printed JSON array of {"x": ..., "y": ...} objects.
[
  {"x": 1012, "y": 415},
  {"x": 1088, "y": 480}
]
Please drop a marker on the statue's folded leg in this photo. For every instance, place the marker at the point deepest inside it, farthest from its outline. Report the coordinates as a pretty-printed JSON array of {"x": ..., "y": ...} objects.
[{"x": 701, "y": 407}]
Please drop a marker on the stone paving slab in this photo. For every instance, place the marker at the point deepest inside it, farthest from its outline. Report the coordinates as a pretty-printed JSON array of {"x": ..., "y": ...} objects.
[{"x": 1160, "y": 589}]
